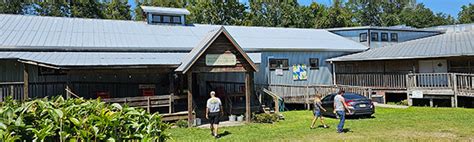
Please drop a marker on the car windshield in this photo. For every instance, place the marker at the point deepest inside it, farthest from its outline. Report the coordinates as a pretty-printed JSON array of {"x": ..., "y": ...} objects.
[{"x": 354, "y": 97}]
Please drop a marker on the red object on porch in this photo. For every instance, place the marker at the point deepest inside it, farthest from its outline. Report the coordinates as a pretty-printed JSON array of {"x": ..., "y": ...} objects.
[
  {"x": 148, "y": 92},
  {"x": 103, "y": 94}
]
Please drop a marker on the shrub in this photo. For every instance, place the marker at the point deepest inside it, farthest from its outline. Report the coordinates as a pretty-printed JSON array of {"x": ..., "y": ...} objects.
[
  {"x": 182, "y": 123},
  {"x": 404, "y": 102},
  {"x": 77, "y": 119},
  {"x": 265, "y": 118}
]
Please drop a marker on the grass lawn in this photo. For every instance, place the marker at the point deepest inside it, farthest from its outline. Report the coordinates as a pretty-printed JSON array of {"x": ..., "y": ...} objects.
[{"x": 412, "y": 124}]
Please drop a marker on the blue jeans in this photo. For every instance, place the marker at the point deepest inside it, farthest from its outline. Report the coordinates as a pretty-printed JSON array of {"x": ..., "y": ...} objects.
[{"x": 342, "y": 118}]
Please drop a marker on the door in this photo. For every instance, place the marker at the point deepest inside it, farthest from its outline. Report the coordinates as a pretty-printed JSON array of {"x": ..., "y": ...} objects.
[{"x": 433, "y": 66}]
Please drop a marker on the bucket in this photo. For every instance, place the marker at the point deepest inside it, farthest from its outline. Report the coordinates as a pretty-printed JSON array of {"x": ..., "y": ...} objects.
[
  {"x": 232, "y": 118},
  {"x": 240, "y": 118},
  {"x": 197, "y": 121}
]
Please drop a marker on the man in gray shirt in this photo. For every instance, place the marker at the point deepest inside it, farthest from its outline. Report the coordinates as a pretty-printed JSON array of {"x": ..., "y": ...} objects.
[
  {"x": 339, "y": 108},
  {"x": 213, "y": 112}
]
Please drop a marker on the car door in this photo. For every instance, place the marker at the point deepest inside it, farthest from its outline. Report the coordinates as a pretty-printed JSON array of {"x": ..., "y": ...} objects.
[{"x": 327, "y": 104}]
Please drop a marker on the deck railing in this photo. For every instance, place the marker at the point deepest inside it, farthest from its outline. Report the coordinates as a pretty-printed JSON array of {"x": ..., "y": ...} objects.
[
  {"x": 430, "y": 80},
  {"x": 373, "y": 80},
  {"x": 13, "y": 89},
  {"x": 305, "y": 94},
  {"x": 465, "y": 84}
]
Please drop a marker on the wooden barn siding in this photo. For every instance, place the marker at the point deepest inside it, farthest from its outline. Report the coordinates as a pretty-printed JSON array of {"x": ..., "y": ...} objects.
[
  {"x": 321, "y": 76},
  {"x": 402, "y": 36}
]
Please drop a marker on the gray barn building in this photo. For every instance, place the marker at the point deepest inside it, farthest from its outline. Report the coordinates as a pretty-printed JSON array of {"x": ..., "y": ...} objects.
[{"x": 91, "y": 58}]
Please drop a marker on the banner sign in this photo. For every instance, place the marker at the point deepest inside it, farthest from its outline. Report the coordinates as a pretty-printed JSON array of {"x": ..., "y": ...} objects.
[{"x": 227, "y": 59}]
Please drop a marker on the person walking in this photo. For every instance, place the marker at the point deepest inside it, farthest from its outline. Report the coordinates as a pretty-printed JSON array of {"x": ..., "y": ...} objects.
[
  {"x": 317, "y": 108},
  {"x": 213, "y": 113},
  {"x": 339, "y": 109}
]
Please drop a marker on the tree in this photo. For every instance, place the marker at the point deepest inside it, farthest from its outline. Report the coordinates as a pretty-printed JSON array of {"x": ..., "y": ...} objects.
[
  {"x": 218, "y": 12},
  {"x": 421, "y": 17},
  {"x": 57, "y": 8},
  {"x": 116, "y": 9},
  {"x": 87, "y": 9},
  {"x": 13, "y": 6},
  {"x": 337, "y": 16},
  {"x": 466, "y": 15}
]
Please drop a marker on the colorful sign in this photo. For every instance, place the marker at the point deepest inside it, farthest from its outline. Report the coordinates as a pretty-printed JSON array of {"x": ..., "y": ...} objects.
[
  {"x": 300, "y": 72},
  {"x": 227, "y": 59}
]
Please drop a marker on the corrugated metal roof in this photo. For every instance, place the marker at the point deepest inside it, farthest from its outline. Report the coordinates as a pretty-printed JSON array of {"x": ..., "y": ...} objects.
[
  {"x": 398, "y": 28},
  {"x": 66, "y": 59},
  {"x": 19, "y": 32},
  {"x": 444, "y": 45},
  {"x": 165, "y": 10}
]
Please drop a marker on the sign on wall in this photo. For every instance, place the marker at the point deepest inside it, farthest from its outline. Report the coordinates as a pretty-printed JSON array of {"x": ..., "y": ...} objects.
[
  {"x": 300, "y": 72},
  {"x": 279, "y": 72},
  {"x": 417, "y": 94},
  {"x": 226, "y": 59}
]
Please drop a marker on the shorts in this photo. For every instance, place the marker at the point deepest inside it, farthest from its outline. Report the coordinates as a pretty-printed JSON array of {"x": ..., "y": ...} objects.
[
  {"x": 214, "y": 117},
  {"x": 317, "y": 113}
]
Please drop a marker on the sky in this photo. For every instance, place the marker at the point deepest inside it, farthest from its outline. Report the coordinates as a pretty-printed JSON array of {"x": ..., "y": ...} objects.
[{"x": 451, "y": 7}]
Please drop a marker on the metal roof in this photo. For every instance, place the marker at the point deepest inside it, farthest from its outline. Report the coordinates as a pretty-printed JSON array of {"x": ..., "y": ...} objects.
[
  {"x": 20, "y": 32},
  {"x": 445, "y": 45},
  {"x": 397, "y": 28},
  {"x": 189, "y": 60},
  {"x": 75, "y": 59},
  {"x": 165, "y": 10}
]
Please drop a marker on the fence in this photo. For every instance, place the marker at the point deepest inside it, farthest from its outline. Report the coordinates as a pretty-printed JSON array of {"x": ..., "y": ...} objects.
[{"x": 373, "y": 80}]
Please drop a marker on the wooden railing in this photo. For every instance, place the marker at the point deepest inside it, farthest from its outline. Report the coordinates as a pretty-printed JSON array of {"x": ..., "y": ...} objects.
[
  {"x": 465, "y": 84},
  {"x": 430, "y": 80},
  {"x": 13, "y": 89},
  {"x": 147, "y": 102},
  {"x": 373, "y": 80},
  {"x": 306, "y": 94}
]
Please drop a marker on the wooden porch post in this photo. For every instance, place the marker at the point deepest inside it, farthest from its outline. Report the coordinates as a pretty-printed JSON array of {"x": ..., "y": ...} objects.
[
  {"x": 333, "y": 73},
  {"x": 190, "y": 99},
  {"x": 25, "y": 82},
  {"x": 172, "y": 91},
  {"x": 248, "y": 81}
]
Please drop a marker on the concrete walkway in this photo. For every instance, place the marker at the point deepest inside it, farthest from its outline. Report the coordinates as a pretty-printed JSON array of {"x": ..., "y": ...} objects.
[
  {"x": 390, "y": 106},
  {"x": 223, "y": 124}
]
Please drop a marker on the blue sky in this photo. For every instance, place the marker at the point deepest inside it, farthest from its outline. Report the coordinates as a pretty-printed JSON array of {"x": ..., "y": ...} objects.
[{"x": 451, "y": 7}]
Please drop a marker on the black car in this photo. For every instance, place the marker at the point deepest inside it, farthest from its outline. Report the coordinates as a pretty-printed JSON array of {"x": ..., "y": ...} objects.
[{"x": 358, "y": 104}]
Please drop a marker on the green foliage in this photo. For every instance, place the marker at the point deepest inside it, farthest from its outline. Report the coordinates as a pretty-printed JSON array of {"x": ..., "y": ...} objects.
[
  {"x": 231, "y": 12},
  {"x": 338, "y": 15},
  {"x": 77, "y": 119},
  {"x": 182, "y": 124},
  {"x": 421, "y": 17},
  {"x": 466, "y": 15},
  {"x": 117, "y": 9},
  {"x": 265, "y": 118}
]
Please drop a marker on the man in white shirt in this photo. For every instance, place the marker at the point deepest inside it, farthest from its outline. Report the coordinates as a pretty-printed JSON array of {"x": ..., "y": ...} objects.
[
  {"x": 340, "y": 108},
  {"x": 213, "y": 112}
]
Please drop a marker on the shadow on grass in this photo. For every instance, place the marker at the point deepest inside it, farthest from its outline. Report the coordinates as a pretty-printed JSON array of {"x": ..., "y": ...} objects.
[{"x": 225, "y": 133}]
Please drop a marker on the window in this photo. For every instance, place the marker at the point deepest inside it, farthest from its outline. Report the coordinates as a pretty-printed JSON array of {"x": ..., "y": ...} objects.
[
  {"x": 176, "y": 19},
  {"x": 156, "y": 19},
  {"x": 279, "y": 64},
  {"x": 394, "y": 37},
  {"x": 374, "y": 36},
  {"x": 384, "y": 36},
  {"x": 363, "y": 37},
  {"x": 313, "y": 62},
  {"x": 166, "y": 19}
]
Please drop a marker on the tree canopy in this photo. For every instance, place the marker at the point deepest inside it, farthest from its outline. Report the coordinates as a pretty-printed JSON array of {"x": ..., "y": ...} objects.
[{"x": 285, "y": 13}]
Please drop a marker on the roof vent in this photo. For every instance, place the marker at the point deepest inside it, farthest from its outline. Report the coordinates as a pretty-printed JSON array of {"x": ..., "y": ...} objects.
[{"x": 165, "y": 15}]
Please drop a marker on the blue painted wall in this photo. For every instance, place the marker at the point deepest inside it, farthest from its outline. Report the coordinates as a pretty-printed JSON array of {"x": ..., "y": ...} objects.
[
  {"x": 320, "y": 76},
  {"x": 402, "y": 36}
]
